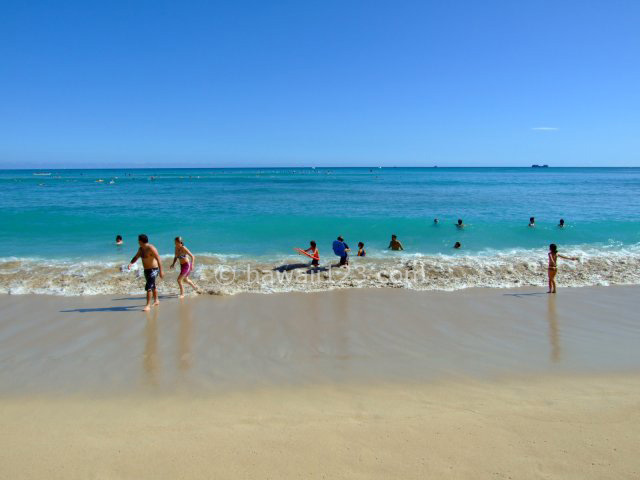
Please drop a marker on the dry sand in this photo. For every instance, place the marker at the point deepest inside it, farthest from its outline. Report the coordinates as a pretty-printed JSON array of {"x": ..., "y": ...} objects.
[
  {"x": 345, "y": 384},
  {"x": 566, "y": 428}
]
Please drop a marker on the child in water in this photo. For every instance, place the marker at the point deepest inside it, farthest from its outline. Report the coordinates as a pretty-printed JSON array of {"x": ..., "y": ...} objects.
[
  {"x": 186, "y": 266},
  {"x": 553, "y": 266},
  {"x": 315, "y": 253},
  {"x": 361, "y": 250},
  {"x": 395, "y": 244}
]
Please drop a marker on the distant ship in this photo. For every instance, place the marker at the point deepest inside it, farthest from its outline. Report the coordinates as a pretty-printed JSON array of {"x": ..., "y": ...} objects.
[{"x": 539, "y": 166}]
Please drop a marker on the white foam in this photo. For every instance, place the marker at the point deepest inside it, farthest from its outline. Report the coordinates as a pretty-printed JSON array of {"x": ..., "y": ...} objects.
[{"x": 607, "y": 265}]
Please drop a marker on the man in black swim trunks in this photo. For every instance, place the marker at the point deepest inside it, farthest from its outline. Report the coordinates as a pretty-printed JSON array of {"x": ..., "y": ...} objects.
[{"x": 152, "y": 268}]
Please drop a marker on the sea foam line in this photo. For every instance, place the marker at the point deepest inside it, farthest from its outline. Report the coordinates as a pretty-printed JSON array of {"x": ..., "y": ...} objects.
[{"x": 227, "y": 275}]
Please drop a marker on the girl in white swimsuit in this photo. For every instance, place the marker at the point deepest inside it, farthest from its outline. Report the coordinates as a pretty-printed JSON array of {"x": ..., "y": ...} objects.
[{"x": 553, "y": 266}]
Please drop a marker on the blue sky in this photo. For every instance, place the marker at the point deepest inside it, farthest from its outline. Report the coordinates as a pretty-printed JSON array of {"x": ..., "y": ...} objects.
[{"x": 257, "y": 83}]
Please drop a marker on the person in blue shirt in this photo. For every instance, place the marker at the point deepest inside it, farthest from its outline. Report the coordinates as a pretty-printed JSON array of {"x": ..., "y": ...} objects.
[{"x": 341, "y": 249}]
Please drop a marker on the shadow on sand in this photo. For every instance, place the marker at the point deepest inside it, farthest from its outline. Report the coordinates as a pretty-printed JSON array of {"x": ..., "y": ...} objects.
[{"x": 131, "y": 308}]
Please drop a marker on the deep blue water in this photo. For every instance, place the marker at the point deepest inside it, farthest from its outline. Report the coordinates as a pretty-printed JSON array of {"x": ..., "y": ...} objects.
[{"x": 262, "y": 212}]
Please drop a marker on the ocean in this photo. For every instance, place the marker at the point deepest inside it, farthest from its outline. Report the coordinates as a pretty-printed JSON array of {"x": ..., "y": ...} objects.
[{"x": 58, "y": 231}]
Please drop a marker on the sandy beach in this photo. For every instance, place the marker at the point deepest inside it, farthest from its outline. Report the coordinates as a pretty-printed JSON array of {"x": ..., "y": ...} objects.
[
  {"x": 365, "y": 204},
  {"x": 343, "y": 384}
]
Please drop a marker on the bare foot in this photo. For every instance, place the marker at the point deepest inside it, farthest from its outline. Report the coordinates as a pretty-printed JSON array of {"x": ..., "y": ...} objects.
[
  {"x": 156, "y": 303},
  {"x": 181, "y": 296},
  {"x": 146, "y": 308}
]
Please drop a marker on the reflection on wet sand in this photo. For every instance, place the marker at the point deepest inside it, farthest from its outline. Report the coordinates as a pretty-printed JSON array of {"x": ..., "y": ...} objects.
[
  {"x": 554, "y": 336},
  {"x": 361, "y": 335},
  {"x": 185, "y": 359},
  {"x": 150, "y": 357}
]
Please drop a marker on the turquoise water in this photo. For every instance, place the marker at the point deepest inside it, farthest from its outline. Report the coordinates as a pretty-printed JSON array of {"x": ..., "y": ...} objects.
[
  {"x": 58, "y": 231},
  {"x": 266, "y": 212}
]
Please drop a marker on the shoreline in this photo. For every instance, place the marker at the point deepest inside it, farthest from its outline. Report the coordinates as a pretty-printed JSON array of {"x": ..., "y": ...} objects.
[{"x": 228, "y": 276}]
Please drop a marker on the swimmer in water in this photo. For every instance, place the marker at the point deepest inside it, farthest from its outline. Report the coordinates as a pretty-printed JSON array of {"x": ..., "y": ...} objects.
[
  {"x": 315, "y": 253},
  {"x": 118, "y": 239},
  {"x": 395, "y": 244},
  {"x": 152, "y": 268},
  {"x": 553, "y": 266},
  {"x": 361, "y": 251},
  {"x": 436, "y": 221},
  {"x": 457, "y": 245},
  {"x": 532, "y": 222},
  {"x": 460, "y": 224},
  {"x": 561, "y": 224},
  {"x": 183, "y": 255}
]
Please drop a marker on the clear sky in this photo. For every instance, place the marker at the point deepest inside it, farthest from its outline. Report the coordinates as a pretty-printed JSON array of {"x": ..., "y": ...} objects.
[{"x": 258, "y": 83}]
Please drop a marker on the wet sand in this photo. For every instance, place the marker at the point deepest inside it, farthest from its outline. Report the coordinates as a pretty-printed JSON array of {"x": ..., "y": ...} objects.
[{"x": 346, "y": 384}]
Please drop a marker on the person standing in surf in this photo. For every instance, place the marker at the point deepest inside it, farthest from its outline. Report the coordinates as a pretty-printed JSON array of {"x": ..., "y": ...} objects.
[
  {"x": 152, "y": 268},
  {"x": 311, "y": 252},
  {"x": 553, "y": 266},
  {"x": 186, "y": 266},
  {"x": 341, "y": 249}
]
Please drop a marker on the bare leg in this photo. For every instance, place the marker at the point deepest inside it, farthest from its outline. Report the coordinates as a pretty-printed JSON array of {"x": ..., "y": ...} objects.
[
  {"x": 147, "y": 307},
  {"x": 155, "y": 297},
  {"x": 552, "y": 281},
  {"x": 180, "y": 278},
  {"x": 190, "y": 282}
]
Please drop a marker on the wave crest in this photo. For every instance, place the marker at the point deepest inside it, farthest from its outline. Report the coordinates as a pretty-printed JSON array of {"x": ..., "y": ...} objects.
[{"x": 230, "y": 275}]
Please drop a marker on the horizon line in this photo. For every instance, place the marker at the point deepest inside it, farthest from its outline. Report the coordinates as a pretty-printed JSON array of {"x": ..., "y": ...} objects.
[{"x": 313, "y": 167}]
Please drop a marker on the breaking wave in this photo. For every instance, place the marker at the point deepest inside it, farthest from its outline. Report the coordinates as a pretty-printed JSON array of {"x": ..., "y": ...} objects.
[{"x": 232, "y": 274}]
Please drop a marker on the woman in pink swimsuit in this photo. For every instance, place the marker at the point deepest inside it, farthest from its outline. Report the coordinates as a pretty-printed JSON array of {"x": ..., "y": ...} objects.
[{"x": 182, "y": 254}]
